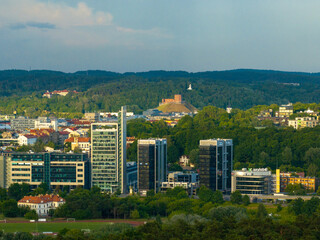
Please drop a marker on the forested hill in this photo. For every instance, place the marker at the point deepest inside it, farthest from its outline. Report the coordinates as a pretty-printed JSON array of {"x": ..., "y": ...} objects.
[{"x": 103, "y": 90}]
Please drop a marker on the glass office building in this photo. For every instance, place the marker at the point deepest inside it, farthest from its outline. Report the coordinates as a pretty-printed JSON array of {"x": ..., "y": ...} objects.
[
  {"x": 215, "y": 164},
  {"x": 55, "y": 169},
  {"x": 152, "y": 164}
]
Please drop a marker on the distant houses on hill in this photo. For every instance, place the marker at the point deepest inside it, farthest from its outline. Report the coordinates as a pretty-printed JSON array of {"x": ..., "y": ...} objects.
[{"x": 58, "y": 92}]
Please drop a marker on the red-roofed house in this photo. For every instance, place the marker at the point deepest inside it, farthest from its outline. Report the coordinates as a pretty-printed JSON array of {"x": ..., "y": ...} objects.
[
  {"x": 42, "y": 203},
  {"x": 79, "y": 142}
]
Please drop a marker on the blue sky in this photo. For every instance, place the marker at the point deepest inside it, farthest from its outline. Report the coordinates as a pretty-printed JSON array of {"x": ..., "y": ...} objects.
[{"x": 142, "y": 35}]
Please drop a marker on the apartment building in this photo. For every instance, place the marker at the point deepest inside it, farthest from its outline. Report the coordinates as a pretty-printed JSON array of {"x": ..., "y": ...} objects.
[{"x": 302, "y": 122}]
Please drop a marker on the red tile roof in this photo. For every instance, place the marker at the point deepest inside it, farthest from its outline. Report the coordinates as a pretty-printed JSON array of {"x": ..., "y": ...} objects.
[{"x": 41, "y": 199}]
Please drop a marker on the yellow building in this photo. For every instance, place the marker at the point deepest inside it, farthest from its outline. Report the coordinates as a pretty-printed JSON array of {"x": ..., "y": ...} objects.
[{"x": 310, "y": 183}]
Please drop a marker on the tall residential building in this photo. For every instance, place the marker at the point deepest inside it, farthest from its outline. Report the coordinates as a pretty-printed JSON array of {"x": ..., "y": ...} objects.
[
  {"x": 216, "y": 163},
  {"x": 152, "y": 164},
  {"x": 55, "y": 169},
  {"x": 108, "y": 154}
]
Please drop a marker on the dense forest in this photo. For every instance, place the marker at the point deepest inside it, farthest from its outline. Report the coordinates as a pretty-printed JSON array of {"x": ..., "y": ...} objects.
[{"x": 22, "y": 91}]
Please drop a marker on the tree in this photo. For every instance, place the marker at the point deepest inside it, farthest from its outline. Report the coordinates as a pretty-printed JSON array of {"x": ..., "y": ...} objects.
[
  {"x": 246, "y": 200},
  {"x": 32, "y": 215},
  {"x": 3, "y": 194},
  {"x": 51, "y": 144},
  {"x": 279, "y": 207},
  {"x": 194, "y": 157},
  {"x": 262, "y": 211},
  {"x": 132, "y": 151},
  {"x": 312, "y": 156},
  {"x": 17, "y": 191},
  {"x": 10, "y": 208},
  {"x": 312, "y": 170},
  {"x": 217, "y": 197},
  {"x": 286, "y": 155},
  {"x": 296, "y": 206},
  {"x": 236, "y": 197},
  {"x": 263, "y": 159},
  {"x": 295, "y": 189},
  {"x": 23, "y": 236},
  {"x": 205, "y": 194},
  {"x": 134, "y": 214}
]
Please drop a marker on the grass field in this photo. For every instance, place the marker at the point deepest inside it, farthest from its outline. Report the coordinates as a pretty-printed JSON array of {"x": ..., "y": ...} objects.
[{"x": 50, "y": 227}]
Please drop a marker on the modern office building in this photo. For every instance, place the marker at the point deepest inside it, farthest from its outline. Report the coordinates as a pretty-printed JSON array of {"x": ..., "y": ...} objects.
[
  {"x": 55, "y": 169},
  {"x": 189, "y": 181},
  {"x": 216, "y": 163},
  {"x": 152, "y": 164},
  {"x": 252, "y": 181},
  {"x": 108, "y": 154}
]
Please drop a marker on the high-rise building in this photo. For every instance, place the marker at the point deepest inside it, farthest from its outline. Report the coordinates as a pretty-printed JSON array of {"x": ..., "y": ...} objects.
[
  {"x": 215, "y": 164},
  {"x": 152, "y": 164},
  {"x": 108, "y": 154}
]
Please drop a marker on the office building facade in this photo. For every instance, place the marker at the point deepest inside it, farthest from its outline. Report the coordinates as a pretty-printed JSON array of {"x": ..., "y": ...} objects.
[
  {"x": 108, "y": 154},
  {"x": 216, "y": 163},
  {"x": 188, "y": 181},
  {"x": 55, "y": 169},
  {"x": 152, "y": 164},
  {"x": 252, "y": 181}
]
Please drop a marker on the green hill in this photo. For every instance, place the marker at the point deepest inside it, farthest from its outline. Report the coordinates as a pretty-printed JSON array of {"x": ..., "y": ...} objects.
[{"x": 22, "y": 91}]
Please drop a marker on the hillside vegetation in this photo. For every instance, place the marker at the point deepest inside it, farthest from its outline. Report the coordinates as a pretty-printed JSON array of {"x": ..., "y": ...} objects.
[{"x": 22, "y": 91}]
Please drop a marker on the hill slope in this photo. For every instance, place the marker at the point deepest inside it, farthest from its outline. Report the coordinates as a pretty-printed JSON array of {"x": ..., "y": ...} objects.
[
  {"x": 177, "y": 107},
  {"x": 107, "y": 91}
]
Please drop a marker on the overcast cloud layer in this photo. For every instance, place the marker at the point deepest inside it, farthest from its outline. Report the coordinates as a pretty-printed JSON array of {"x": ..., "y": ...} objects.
[{"x": 141, "y": 35}]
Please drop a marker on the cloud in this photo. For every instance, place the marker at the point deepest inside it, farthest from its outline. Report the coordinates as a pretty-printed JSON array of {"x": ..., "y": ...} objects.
[
  {"x": 78, "y": 25},
  {"x": 39, "y": 25},
  {"x": 57, "y": 14}
]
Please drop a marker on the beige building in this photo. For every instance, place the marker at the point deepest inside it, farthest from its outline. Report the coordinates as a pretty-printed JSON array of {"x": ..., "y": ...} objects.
[
  {"x": 302, "y": 122},
  {"x": 42, "y": 203},
  {"x": 285, "y": 110},
  {"x": 82, "y": 143},
  {"x": 92, "y": 117}
]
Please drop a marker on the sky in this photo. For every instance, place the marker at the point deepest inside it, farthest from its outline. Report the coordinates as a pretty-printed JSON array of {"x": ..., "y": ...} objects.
[{"x": 143, "y": 35}]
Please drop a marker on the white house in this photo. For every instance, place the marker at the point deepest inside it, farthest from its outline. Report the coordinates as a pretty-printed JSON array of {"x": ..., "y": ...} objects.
[
  {"x": 42, "y": 203},
  {"x": 27, "y": 139}
]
